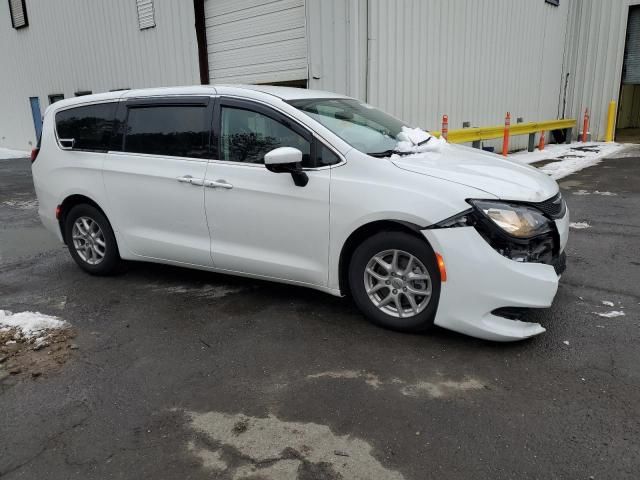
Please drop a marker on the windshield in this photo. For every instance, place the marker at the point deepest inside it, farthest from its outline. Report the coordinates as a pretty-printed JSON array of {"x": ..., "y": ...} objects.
[{"x": 360, "y": 125}]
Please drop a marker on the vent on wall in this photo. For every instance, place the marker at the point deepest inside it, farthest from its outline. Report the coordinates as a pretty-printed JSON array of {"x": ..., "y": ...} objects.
[
  {"x": 18, "y": 11},
  {"x": 146, "y": 16}
]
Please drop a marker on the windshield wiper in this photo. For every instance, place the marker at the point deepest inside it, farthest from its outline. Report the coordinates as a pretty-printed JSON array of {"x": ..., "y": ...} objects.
[{"x": 388, "y": 153}]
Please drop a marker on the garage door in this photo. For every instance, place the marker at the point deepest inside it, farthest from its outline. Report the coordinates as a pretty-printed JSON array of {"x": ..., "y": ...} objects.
[
  {"x": 256, "y": 41},
  {"x": 632, "y": 49}
]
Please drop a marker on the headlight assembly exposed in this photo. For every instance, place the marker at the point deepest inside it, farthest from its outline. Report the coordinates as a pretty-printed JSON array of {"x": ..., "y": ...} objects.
[{"x": 518, "y": 221}]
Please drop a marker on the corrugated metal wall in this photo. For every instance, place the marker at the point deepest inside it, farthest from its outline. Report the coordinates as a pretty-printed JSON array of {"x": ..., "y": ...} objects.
[
  {"x": 418, "y": 59},
  {"x": 337, "y": 38},
  {"x": 473, "y": 61},
  {"x": 73, "y": 45},
  {"x": 594, "y": 57}
]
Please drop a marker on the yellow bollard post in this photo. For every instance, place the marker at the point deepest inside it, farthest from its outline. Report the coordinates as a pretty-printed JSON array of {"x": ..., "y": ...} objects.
[{"x": 611, "y": 121}]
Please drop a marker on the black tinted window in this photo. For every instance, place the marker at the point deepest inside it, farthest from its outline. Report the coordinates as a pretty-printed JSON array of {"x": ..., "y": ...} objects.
[
  {"x": 179, "y": 131},
  {"x": 325, "y": 156},
  {"x": 247, "y": 136},
  {"x": 89, "y": 126}
]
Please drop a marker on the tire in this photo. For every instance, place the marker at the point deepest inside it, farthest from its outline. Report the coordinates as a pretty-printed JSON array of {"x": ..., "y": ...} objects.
[
  {"x": 102, "y": 256},
  {"x": 408, "y": 281}
]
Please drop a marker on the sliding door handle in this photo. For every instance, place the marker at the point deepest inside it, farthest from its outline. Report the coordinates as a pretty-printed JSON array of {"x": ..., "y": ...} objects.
[
  {"x": 218, "y": 184},
  {"x": 190, "y": 180}
]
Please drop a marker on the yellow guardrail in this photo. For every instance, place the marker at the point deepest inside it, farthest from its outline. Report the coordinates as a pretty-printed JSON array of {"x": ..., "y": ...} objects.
[{"x": 477, "y": 134}]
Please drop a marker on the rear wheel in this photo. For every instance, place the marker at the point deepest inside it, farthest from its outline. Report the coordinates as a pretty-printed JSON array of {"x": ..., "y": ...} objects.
[
  {"x": 395, "y": 281},
  {"x": 91, "y": 241}
]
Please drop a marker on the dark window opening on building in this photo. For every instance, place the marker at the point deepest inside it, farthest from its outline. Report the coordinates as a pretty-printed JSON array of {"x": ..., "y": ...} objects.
[
  {"x": 18, "y": 11},
  {"x": 55, "y": 97},
  {"x": 146, "y": 14}
]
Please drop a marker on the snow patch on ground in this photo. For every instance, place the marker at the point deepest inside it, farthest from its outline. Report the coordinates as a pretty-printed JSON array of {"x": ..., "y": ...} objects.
[
  {"x": 30, "y": 324},
  {"x": 6, "y": 154},
  {"x": 440, "y": 389},
  {"x": 579, "y": 225},
  {"x": 204, "y": 291},
  {"x": 432, "y": 389},
  {"x": 596, "y": 192},
  {"x": 21, "y": 204},
  {"x": 607, "y": 303},
  {"x": 243, "y": 447},
  {"x": 369, "y": 378},
  {"x": 612, "y": 314},
  {"x": 566, "y": 159}
]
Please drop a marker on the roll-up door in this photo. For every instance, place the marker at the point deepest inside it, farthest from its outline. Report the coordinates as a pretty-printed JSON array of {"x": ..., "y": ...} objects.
[
  {"x": 256, "y": 41},
  {"x": 632, "y": 49}
]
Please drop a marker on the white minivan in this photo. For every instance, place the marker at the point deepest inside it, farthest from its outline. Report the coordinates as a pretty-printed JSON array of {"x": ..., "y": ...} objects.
[{"x": 308, "y": 188}]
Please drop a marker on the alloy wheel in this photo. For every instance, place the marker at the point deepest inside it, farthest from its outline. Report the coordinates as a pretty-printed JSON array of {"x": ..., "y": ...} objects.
[
  {"x": 398, "y": 283},
  {"x": 88, "y": 240}
]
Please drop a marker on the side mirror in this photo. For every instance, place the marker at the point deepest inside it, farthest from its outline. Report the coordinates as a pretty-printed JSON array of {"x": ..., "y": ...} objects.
[{"x": 287, "y": 160}]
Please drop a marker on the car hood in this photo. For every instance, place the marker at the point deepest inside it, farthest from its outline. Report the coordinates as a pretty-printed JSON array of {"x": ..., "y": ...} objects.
[{"x": 496, "y": 175}]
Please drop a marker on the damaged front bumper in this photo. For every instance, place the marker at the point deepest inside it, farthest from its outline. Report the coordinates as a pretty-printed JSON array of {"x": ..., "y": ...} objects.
[{"x": 480, "y": 281}]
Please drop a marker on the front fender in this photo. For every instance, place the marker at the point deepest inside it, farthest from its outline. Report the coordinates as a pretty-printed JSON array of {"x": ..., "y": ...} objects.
[{"x": 367, "y": 190}]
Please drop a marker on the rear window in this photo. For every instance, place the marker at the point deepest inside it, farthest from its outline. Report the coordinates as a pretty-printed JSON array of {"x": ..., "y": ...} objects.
[
  {"x": 89, "y": 126},
  {"x": 172, "y": 130}
]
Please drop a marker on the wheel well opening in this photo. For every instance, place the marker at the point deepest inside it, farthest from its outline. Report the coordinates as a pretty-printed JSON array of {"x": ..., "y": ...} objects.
[
  {"x": 70, "y": 202},
  {"x": 360, "y": 235}
]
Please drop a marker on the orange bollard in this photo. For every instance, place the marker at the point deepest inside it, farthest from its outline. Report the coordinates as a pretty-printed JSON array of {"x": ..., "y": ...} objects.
[
  {"x": 541, "y": 144},
  {"x": 445, "y": 127},
  {"x": 505, "y": 141},
  {"x": 585, "y": 126}
]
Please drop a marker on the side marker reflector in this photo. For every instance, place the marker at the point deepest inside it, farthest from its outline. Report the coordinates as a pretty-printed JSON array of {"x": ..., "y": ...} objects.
[
  {"x": 441, "y": 267},
  {"x": 58, "y": 212}
]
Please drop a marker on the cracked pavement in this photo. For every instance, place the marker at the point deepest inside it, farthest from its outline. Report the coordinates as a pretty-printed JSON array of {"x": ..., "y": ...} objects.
[{"x": 191, "y": 375}]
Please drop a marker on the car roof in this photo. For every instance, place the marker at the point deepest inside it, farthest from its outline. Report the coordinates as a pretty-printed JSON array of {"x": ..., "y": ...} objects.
[{"x": 284, "y": 93}]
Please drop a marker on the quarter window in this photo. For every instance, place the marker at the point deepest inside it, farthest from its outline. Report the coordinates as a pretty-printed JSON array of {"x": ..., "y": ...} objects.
[
  {"x": 172, "y": 130},
  {"x": 89, "y": 126},
  {"x": 247, "y": 136},
  {"x": 325, "y": 156}
]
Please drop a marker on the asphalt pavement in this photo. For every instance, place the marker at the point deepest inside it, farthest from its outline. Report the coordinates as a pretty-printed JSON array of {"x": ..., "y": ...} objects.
[{"x": 181, "y": 374}]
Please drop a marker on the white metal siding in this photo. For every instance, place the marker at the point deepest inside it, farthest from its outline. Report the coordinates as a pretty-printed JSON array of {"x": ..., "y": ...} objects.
[
  {"x": 595, "y": 53},
  {"x": 473, "y": 61},
  {"x": 73, "y": 45},
  {"x": 337, "y": 37},
  {"x": 256, "y": 41}
]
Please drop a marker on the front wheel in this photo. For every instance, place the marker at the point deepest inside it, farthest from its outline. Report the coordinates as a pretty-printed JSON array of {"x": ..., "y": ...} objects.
[
  {"x": 91, "y": 241},
  {"x": 395, "y": 281}
]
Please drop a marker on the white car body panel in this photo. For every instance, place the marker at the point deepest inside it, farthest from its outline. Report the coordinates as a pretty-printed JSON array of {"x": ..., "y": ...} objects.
[
  {"x": 480, "y": 280},
  {"x": 157, "y": 216},
  {"x": 494, "y": 174},
  {"x": 266, "y": 227},
  {"x": 367, "y": 189}
]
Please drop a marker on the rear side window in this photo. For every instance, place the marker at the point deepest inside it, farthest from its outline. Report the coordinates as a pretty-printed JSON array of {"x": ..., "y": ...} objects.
[
  {"x": 172, "y": 130},
  {"x": 89, "y": 126}
]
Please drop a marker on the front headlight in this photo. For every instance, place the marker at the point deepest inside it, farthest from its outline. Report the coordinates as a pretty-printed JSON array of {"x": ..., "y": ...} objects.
[{"x": 517, "y": 220}]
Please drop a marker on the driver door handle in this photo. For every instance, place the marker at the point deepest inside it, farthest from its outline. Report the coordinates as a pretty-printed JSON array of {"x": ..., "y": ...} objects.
[{"x": 218, "y": 184}]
